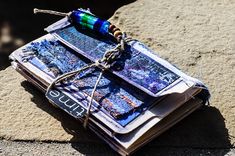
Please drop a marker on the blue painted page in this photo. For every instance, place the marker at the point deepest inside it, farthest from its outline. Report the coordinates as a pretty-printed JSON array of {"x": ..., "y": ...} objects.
[
  {"x": 119, "y": 99},
  {"x": 133, "y": 66}
]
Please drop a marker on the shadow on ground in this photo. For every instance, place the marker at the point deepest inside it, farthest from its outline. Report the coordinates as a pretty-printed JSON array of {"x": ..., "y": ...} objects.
[
  {"x": 203, "y": 129},
  {"x": 18, "y": 24}
]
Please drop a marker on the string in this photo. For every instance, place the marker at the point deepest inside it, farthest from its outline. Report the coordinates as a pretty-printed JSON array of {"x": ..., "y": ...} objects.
[
  {"x": 68, "y": 75},
  {"x": 92, "y": 97},
  {"x": 104, "y": 63},
  {"x": 50, "y": 12}
]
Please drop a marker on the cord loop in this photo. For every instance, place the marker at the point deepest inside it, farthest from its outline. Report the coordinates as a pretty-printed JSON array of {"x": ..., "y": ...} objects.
[{"x": 109, "y": 57}]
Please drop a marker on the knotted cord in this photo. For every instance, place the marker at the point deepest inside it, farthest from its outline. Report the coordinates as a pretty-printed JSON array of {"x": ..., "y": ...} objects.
[
  {"x": 104, "y": 63},
  {"x": 79, "y": 17}
]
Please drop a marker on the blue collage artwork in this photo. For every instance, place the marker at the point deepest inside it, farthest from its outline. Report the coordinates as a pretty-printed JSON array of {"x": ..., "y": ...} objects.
[
  {"x": 134, "y": 66},
  {"x": 118, "y": 98}
]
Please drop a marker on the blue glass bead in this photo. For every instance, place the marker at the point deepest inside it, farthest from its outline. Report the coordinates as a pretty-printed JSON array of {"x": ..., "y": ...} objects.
[{"x": 86, "y": 20}]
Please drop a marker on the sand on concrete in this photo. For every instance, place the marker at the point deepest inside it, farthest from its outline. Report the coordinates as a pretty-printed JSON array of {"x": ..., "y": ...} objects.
[{"x": 197, "y": 36}]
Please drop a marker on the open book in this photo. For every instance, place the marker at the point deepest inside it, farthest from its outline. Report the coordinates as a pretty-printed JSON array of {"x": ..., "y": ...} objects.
[{"x": 137, "y": 99}]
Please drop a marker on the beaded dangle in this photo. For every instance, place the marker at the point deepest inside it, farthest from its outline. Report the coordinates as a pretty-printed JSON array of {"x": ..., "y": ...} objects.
[{"x": 87, "y": 20}]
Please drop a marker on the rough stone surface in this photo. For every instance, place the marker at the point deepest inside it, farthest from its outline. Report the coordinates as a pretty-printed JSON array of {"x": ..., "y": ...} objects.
[
  {"x": 25, "y": 114},
  {"x": 197, "y": 36}
]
